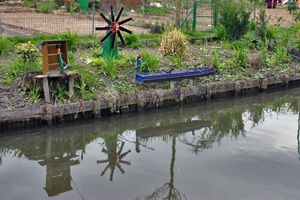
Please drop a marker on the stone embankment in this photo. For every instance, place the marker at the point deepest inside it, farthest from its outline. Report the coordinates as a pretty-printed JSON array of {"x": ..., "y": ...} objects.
[{"x": 49, "y": 114}]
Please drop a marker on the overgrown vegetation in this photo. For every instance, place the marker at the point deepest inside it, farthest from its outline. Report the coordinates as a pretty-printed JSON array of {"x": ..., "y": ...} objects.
[
  {"x": 174, "y": 43},
  {"x": 234, "y": 16},
  {"x": 237, "y": 55}
]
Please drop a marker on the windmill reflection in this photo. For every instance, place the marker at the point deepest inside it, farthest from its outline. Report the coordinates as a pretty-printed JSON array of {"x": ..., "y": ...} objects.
[
  {"x": 168, "y": 190},
  {"x": 114, "y": 156}
]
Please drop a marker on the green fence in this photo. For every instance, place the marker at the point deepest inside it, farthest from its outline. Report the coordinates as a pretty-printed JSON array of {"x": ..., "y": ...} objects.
[{"x": 205, "y": 16}]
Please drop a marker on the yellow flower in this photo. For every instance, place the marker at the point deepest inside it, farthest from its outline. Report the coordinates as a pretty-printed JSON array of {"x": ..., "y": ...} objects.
[
  {"x": 29, "y": 42},
  {"x": 6, "y": 74}
]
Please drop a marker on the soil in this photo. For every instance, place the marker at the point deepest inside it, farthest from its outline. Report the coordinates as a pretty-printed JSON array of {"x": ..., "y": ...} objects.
[{"x": 10, "y": 95}]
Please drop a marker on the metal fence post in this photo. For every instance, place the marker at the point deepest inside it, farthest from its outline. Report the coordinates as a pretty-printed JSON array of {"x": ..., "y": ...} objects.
[
  {"x": 194, "y": 16},
  {"x": 143, "y": 7},
  {"x": 93, "y": 23}
]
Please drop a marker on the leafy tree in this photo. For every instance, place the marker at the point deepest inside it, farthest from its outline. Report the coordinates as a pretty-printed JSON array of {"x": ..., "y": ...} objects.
[{"x": 234, "y": 16}]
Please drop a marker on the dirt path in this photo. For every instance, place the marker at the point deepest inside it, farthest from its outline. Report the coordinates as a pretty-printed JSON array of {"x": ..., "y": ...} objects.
[{"x": 27, "y": 21}]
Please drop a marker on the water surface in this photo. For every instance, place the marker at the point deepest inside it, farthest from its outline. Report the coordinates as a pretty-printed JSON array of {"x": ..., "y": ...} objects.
[{"x": 236, "y": 148}]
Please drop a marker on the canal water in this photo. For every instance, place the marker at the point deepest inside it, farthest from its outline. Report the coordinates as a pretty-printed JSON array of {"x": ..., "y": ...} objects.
[{"x": 237, "y": 148}]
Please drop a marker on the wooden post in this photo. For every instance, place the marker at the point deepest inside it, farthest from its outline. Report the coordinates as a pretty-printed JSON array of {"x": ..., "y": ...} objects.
[
  {"x": 46, "y": 89},
  {"x": 177, "y": 19},
  {"x": 71, "y": 85}
]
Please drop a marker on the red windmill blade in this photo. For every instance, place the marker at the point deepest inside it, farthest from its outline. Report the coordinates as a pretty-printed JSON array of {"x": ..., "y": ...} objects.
[{"x": 114, "y": 27}]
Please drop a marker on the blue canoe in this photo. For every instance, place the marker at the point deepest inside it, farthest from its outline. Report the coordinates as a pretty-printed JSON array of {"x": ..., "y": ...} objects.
[{"x": 150, "y": 77}]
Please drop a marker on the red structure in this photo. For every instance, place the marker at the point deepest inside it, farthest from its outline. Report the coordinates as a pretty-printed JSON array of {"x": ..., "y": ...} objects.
[{"x": 269, "y": 3}]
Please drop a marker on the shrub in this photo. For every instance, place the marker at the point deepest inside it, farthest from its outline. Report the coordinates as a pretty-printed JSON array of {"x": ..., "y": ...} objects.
[
  {"x": 157, "y": 29},
  {"x": 73, "y": 39},
  {"x": 27, "y": 51},
  {"x": 221, "y": 33},
  {"x": 152, "y": 63},
  {"x": 234, "y": 16},
  {"x": 262, "y": 22},
  {"x": 132, "y": 40},
  {"x": 21, "y": 65},
  {"x": 174, "y": 43},
  {"x": 4, "y": 44}
]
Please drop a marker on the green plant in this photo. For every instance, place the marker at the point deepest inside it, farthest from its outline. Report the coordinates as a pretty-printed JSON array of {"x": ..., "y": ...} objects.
[
  {"x": 85, "y": 91},
  {"x": 154, "y": 10},
  {"x": 132, "y": 40},
  {"x": 174, "y": 43},
  {"x": 176, "y": 61},
  {"x": 34, "y": 94},
  {"x": 110, "y": 67},
  {"x": 282, "y": 55},
  {"x": 252, "y": 25},
  {"x": 271, "y": 32},
  {"x": 239, "y": 44},
  {"x": 97, "y": 51},
  {"x": 124, "y": 60},
  {"x": 73, "y": 39},
  {"x": 262, "y": 22},
  {"x": 152, "y": 63},
  {"x": 4, "y": 44},
  {"x": 263, "y": 46},
  {"x": 217, "y": 64},
  {"x": 28, "y": 51},
  {"x": 221, "y": 33},
  {"x": 21, "y": 65},
  {"x": 61, "y": 94},
  {"x": 241, "y": 57},
  {"x": 234, "y": 16}
]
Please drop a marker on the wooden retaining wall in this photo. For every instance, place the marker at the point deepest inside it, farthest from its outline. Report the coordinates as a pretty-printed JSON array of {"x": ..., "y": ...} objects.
[{"x": 144, "y": 100}]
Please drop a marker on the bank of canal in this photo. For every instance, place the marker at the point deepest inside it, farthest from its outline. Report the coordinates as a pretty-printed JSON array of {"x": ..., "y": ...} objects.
[{"x": 49, "y": 114}]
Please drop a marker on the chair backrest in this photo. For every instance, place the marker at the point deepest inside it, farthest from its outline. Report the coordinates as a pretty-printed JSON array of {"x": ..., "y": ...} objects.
[{"x": 50, "y": 61}]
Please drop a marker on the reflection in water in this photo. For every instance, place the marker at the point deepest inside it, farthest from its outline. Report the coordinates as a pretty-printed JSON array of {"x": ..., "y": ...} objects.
[
  {"x": 59, "y": 150},
  {"x": 114, "y": 157},
  {"x": 56, "y": 150},
  {"x": 58, "y": 176},
  {"x": 168, "y": 190}
]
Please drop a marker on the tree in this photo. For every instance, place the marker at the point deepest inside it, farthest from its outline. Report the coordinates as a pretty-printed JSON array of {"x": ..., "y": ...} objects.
[{"x": 234, "y": 16}]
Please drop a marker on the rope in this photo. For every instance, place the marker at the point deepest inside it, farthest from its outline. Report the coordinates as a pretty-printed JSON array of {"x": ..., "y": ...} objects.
[{"x": 130, "y": 71}]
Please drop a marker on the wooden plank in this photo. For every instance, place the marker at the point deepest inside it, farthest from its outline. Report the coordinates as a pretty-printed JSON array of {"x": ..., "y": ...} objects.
[
  {"x": 45, "y": 59},
  {"x": 56, "y": 73},
  {"x": 52, "y": 58},
  {"x": 53, "y": 67},
  {"x": 64, "y": 51},
  {"x": 52, "y": 49},
  {"x": 46, "y": 89},
  {"x": 71, "y": 85}
]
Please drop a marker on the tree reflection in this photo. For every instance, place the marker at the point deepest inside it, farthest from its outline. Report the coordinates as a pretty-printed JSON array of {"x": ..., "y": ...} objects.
[
  {"x": 114, "y": 157},
  {"x": 168, "y": 190}
]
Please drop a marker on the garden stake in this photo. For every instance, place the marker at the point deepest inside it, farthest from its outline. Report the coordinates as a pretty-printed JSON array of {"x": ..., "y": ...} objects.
[{"x": 130, "y": 71}]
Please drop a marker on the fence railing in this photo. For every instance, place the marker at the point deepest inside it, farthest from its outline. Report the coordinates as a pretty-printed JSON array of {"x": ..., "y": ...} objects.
[{"x": 47, "y": 18}]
